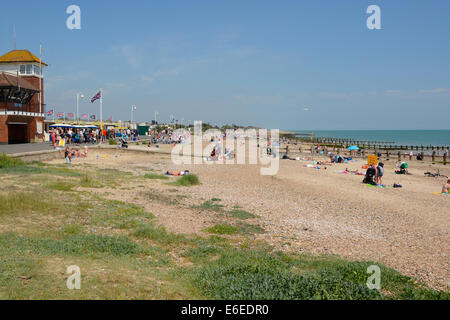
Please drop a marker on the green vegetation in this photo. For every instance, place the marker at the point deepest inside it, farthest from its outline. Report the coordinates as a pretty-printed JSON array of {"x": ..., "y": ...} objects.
[
  {"x": 155, "y": 176},
  {"x": 124, "y": 254},
  {"x": 87, "y": 181},
  {"x": 186, "y": 181},
  {"x": 211, "y": 205},
  {"x": 241, "y": 214},
  {"x": 9, "y": 162},
  {"x": 61, "y": 186},
  {"x": 237, "y": 274},
  {"x": 158, "y": 234},
  {"x": 222, "y": 229},
  {"x": 112, "y": 142}
]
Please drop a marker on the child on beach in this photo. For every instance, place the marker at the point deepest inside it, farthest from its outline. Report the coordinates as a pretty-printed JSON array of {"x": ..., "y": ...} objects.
[
  {"x": 68, "y": 155},
  {"x": 446, "y": 187}
]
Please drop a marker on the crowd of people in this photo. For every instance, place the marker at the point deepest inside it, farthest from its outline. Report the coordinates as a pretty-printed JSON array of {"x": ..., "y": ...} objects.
[{"x": 93, "y": 135}]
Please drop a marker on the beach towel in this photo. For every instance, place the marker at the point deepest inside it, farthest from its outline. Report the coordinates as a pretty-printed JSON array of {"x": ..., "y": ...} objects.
[{"x": 380, "y": 186}]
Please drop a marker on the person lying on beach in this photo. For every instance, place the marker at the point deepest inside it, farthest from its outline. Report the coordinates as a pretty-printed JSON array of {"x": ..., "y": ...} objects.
[
  {"x": 286, "y": 157},
  {"x": 446, "y": 186}
]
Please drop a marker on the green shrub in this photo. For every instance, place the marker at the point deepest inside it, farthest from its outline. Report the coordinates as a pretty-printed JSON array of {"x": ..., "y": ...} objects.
[
  {"x": 187, "y": 180},
  {"x": 112, "y": 141},
  {"x": 246, "y": 275}
]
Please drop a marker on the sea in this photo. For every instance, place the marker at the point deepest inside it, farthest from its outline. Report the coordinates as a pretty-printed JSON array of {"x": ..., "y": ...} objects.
[{"x": 398, "y": 137}]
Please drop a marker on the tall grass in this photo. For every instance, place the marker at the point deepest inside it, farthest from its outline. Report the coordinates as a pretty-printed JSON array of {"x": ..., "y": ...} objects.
[{"x": 24, "y": 203}]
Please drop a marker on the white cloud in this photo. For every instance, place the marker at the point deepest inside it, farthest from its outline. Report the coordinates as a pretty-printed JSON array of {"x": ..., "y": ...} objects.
[{"x": 130, "y": 53}]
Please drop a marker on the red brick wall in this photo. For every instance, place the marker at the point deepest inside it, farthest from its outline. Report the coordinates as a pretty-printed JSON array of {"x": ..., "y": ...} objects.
[
  {"x": 3, "y": 130},
  {"x": 32, "y": 126}
]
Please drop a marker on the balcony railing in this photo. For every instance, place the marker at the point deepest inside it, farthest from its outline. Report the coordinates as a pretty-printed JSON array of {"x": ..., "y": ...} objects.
[{"x": 20, "y": 108}]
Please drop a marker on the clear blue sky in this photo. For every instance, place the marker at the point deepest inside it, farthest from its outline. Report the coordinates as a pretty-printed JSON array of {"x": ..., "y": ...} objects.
[{"x": 246, "y": 62}]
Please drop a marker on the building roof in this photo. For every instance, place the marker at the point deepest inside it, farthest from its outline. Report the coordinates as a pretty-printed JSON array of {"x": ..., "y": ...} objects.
[
  {"x": 20, "y": 56},
  {"x": 8, "y": 81}
]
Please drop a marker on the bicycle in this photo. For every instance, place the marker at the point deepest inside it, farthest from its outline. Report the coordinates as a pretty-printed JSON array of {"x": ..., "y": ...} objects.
[{"x": 435, "y": 175}]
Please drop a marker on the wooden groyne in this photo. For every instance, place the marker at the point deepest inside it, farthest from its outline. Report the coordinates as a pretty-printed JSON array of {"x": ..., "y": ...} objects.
[{"x": 386, "y": 154}]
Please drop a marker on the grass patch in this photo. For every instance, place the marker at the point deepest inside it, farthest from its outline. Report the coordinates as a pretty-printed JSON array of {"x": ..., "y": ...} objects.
[
  {"x": 87, "y": 181},
  {"x": 72, "y": 229},
  {"x": 252, "y": 275},
  {"x": 159, "y": 235},
  {"x": 78, "y": 244},
  {"x": 155, "y": 176},
  {"x": 241, "y": 214},
  {"x": 186, "y": 181},
  {"x": 61, "y": 186},
  {"x": 222, "y": 229},
  {"x": 210, "y": 205},
  {"x": 249, "y": 229},
  {"x": 9, "y": 162},
  {"x": 25, "y": 203}
]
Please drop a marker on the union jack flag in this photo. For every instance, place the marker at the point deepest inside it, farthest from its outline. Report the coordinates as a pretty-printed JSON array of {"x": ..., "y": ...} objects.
[
  {"x": 61, "y": 114},
  {"x": 96, "y": 97},
  {"x": 50, "y": 112},
  {"x": 84, "y": 116},
  {"x": 70, "y": 115}
]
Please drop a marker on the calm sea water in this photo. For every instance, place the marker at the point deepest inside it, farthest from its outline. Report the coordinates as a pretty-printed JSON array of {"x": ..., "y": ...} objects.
[{"x": 399, "y": 137}]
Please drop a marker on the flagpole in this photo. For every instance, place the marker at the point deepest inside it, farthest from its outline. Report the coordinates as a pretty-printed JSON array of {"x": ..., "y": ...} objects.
[
  {"x": 101, "y": 109},
  {"x": 40, "y": 79}
]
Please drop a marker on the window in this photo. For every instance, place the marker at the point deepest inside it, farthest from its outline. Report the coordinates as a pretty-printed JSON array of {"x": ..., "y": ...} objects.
[
  {"x": 37, "y": 70},
  {"x": 22, "y": 69},
  {"x": 29, "y": 69}
]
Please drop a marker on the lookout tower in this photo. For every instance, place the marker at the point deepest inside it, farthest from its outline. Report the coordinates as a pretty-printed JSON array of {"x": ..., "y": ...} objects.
[{"x": 21, "y": 97}]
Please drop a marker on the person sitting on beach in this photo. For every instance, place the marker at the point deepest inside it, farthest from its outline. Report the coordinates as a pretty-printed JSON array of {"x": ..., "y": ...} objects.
[
  {"x": 370, "y": 174},
  {"x": 68, "y": 155},
  {"x": 446, "y": 186}
]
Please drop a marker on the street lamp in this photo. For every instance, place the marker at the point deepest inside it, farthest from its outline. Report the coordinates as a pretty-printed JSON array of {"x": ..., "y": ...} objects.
[
  {"x": 131, "y": 120},
  {"x": 79, "y": 95}
]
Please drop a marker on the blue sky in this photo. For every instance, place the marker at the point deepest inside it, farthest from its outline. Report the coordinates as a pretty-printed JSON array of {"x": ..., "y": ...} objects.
[{"x": 246, "y": 62}]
